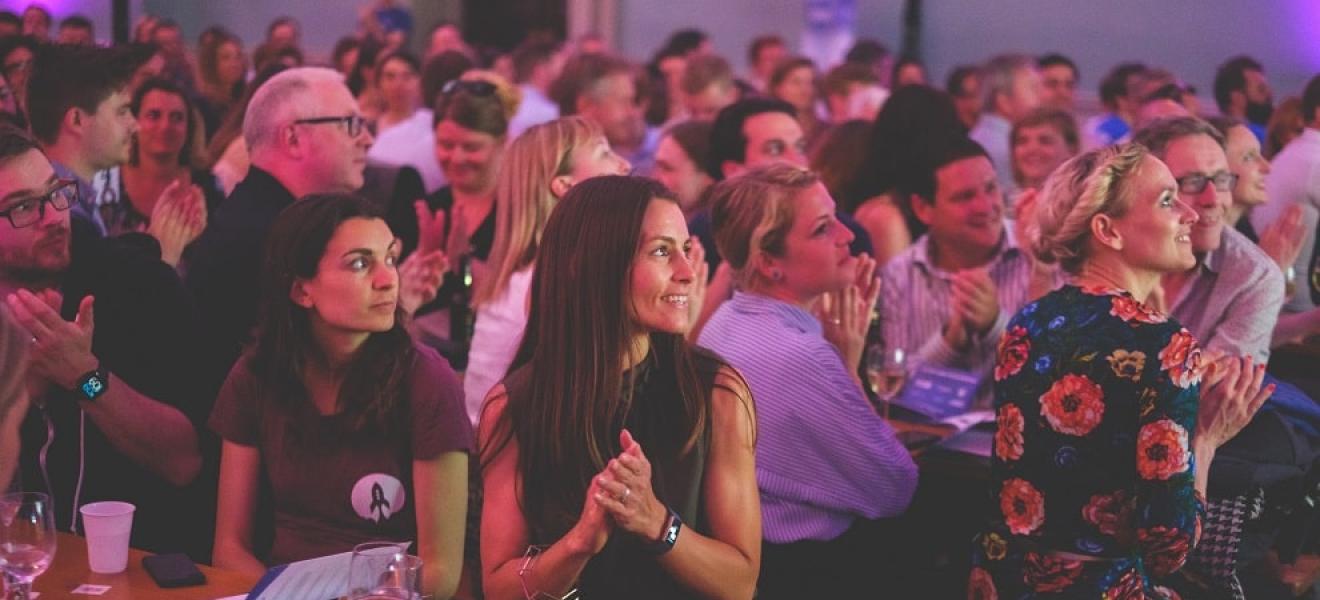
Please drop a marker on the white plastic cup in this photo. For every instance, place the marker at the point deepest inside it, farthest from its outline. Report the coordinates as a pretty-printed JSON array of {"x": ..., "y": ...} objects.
[{"x": 108, "y": 525}]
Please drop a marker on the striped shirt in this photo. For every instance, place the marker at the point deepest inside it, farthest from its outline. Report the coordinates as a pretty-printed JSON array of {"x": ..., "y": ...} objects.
[
  {"x": 823, "y": 456},
  {"x": 915, "y": 305}
]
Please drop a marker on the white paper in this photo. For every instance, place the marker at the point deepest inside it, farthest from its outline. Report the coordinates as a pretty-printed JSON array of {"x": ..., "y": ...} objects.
[
  {"x": 324, "y": 577},
  {"x": 89, "y": 589},
  {"x": 970, "y": 419}
]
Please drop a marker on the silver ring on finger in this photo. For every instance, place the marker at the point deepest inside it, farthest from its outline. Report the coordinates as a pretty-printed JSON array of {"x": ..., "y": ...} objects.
[{"x": 627, "y": 491}]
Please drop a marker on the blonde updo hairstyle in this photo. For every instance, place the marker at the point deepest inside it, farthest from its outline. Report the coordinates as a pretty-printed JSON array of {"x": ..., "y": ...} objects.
[
  {"x": 1098, "y": 182},
  {"x": 753, "y": 212}
]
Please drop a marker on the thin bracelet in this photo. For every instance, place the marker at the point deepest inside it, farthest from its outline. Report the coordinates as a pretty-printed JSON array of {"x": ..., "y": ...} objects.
[{"x": 529, "y": 560}]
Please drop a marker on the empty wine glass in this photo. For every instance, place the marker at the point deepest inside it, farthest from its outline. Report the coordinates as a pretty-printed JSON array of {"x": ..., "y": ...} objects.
[
  {"x": 27, "y": 539},
  {"x": 383, "y": 571},
  {"x": 886, "y": 373}
]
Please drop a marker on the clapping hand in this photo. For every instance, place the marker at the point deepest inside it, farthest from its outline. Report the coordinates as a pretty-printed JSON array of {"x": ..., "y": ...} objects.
[
  {"x": 61, "y": 352},
  {"x": 1282, "y": 240},
  {"x": 420, "y": 277},
  {"x": 177, "y": 219},
  {"x": 1231, "y": 393},
  {"x": 624, "y": 491},
  {"x": 974, "y": 300},
  {"x": 845, "y": 316}
]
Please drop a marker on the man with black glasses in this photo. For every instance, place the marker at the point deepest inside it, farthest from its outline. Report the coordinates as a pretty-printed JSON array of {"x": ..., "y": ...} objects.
[
  {"x": 112, "y": 373},
  {"x": 305, "y": 135},
  {"x": 1230, "y": 300}
]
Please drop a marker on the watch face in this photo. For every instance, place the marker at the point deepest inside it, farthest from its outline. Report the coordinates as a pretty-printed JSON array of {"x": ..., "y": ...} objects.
[{"x": 93, "y": 386}]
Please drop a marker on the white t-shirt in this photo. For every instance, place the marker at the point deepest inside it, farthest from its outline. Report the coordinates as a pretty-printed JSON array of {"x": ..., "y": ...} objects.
[{"x": 411, "y": 142}]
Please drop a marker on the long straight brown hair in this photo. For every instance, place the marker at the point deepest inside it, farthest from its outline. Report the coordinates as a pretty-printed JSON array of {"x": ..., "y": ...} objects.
[
  {"x": 568, "y": 418},
  {"x": 377, "y": 376}
]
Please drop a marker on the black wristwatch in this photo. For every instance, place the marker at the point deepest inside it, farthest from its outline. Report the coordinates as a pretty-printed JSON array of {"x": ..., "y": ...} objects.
[
  {"x": 94, "y": 384},
  {"x": 668, "y": 535}
]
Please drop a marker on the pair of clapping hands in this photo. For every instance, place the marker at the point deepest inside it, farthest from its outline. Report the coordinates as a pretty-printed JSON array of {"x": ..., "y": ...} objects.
[
  {"x": 59, "y": 351},
  {"x": 620, "y": 498},
  {"x": 177, "y": 219}
]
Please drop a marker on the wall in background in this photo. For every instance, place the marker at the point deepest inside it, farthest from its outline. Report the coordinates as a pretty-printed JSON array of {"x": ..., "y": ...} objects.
[
  {"x": 1190, "y": 37},
  {"x": 99, "y": 11}
]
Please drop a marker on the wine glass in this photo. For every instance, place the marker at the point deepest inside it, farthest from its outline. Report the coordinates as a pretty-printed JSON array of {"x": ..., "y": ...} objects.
[
  {"x": 886, "y": 373},
  {"x": 383, "y": 571},
  {"x": 27, "y": 539}
]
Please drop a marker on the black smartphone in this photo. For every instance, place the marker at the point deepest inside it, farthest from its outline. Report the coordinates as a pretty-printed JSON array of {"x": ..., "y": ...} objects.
[{"x": 173, "y": 570}]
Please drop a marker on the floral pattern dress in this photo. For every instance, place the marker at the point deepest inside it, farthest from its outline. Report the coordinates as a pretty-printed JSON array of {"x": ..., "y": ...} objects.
[{"x": 1092, "y": 471}]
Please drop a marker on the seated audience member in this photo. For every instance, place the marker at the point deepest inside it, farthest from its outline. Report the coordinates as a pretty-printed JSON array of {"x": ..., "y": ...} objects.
[
  {"x": 168, "y": 36},
  {"x": 763, "y": 55},
  {"x": 9, "y": 113},
  {"x": 964, "y": 86},
  {"x": 447, "y": 37},
  {"x": 915, "y": 117},
  {"x": 364, "y": 83},
  {"x": 78, "y": 106},
  {"x": 1294, "y": 179},
  {"x": 13, "y": 395},
  {"x": 359, "y": 431},
  {"x": 679, "y": 161},
  {"x": 537, "y": 170},
  {"x": 794, "y": 82},
  {"x": 661, "y": 89},
  {"x": 602, "y": 89},
  {"x": 852, "y": 91},
  {"x": 36, "y": 23},
  {"x": 160, "y": 181},
  {"x": 1286, "y": 124},
  {"x": 874, "y": 55},
  {"x": 227, "y": 153},
  {"x": 17, "y": 54},
  {"x": 405, "y": 130},
  {"x": 708, "y": 86},
  {"x": 272, "y": 54},
  {"x": 536, "y": 64},
  {"x": 839, "y": 154},
  {"x": 1106, "y": 435},
  {"x": 284, "y": 31},
  {"x": 947, "y": 298},
  {"x": 1230, "y": 298},
  {"x": 345, "y": 55},
  {"x": 471, "y": 128},
  {"x": 1119, "y": 97},
  {"x": 10, "y": 24},
  {"x": 825, "y": 460},
  {"x": 908, "y": 70},
  {"x": 222, "y": 73},
  {"x": 1242, "y": 92},
  {"x": 1282, "y": 240},
  {"x": 1011, "y": 88},
  {"x": 114, "y": 374},
  {"x": 1058, "y": 78},
  {"x": 1042, "y": 141},
  {"x": 305, "y": 136},
  {"x": 618, "y": 455},
  {"x": 746, "y": 134},
  {"x": 76, "y": 30},
  {"x": 1167, "y": 101}
]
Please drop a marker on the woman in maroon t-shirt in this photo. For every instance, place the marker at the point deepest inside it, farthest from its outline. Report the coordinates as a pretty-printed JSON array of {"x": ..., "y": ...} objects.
[{"x": 361, "y": 434}]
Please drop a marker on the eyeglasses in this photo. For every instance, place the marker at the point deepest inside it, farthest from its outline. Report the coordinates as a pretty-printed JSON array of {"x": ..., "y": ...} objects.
[
  {"x": 17, "y": 67},
  {"x": 476, "y": 87},
  {"x": 32, "y": 209},
  {"x": 1196, "y": 182},
  {"x": 354, "y": 124}
]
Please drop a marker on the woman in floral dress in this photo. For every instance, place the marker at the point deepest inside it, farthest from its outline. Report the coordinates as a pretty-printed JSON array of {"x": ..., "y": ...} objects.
[{"x": 1101, "y": 454}]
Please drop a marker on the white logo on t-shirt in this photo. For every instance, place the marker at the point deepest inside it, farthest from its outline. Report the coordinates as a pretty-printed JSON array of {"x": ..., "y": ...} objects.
[{"x": 377, "y": 496}]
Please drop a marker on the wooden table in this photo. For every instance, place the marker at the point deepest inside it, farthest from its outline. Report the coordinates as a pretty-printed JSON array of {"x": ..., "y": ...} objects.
[{"x": 70, "y": 571}]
